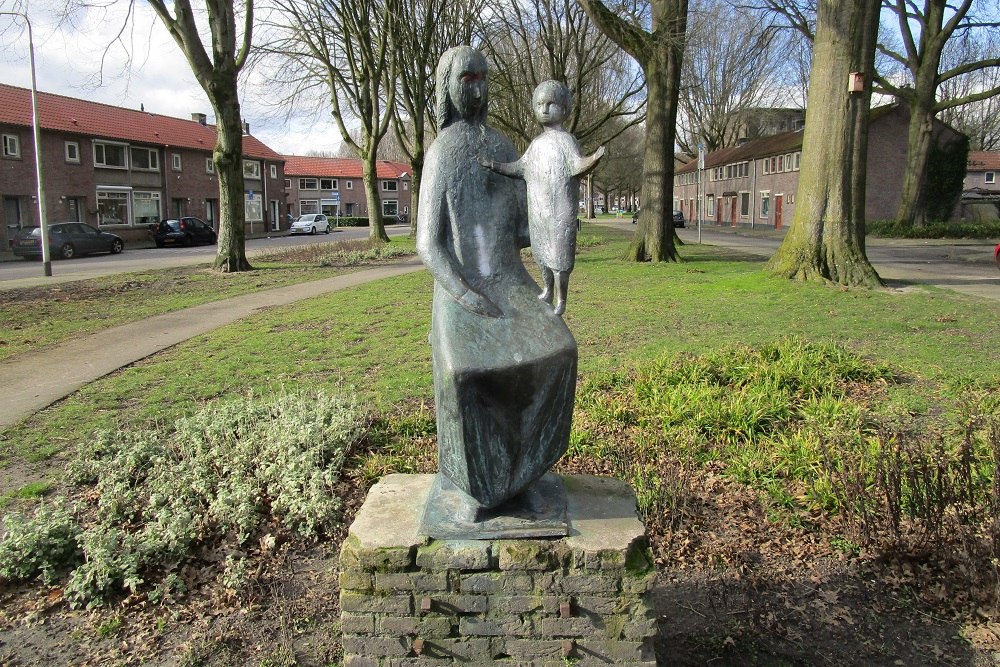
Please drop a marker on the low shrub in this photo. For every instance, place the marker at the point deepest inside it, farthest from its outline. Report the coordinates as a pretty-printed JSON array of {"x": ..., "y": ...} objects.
[
  {"x": 934, "y": 230},
  {"x": 154, "y": 497}
]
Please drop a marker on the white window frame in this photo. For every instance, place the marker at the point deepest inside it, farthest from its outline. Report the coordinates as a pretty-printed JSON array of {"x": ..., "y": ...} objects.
[
  {"x": 148, "y": 195},
  {"x": 349, "y": 185},
  {"x": 767, "y": 166},
  {"x": 11, "y": 146},
  {"x": 710, "y": 207},
  {"x": 102, "y": 147},
  {"x": 68, "y": 148},
  {"x": 209, "y": 165},
  {"x": 308, "y": 206},
  {"x": 309, "y": 184},
  {"x": 386, "y": 188},
  {"x": 175, "y": 162},
  {"x": 329, "y": 184},
  {"x": 765, "y": 204},
  {"x": 253, "y": 208},
  {"x": 122, "y": 194},
  {"x": 744, "y": 197},
  {"x": 395, "y": 206},
  {"x": 274, "y": 171},
  {"x": 406, "y": 186},
  {"x": 153, "y": 158},
  {"x": 288, "y": 184},
  {"x": 990, "y": 177},
  {"x": 251, "y": 169}
]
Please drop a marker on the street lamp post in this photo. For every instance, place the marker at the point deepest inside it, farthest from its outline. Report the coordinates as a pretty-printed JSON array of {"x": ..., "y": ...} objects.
[{"x": 42, "y": 219}]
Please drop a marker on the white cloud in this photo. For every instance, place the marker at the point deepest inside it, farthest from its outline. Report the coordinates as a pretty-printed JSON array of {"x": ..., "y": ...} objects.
[{"x": 143, "y": 67}]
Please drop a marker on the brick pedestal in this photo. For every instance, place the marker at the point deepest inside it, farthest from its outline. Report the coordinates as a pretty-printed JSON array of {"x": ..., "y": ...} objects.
[{"x": 583, "y": 599}]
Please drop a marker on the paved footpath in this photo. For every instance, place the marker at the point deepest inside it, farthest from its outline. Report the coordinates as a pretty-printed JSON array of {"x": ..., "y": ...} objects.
[{"x": 33, "y": 381}]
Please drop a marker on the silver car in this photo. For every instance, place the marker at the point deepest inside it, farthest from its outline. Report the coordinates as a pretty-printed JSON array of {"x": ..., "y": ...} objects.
[{"x": 311, "y": 223}]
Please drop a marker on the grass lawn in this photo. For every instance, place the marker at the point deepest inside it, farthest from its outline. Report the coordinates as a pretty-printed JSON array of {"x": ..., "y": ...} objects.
[{"x": 697, "y": 379}]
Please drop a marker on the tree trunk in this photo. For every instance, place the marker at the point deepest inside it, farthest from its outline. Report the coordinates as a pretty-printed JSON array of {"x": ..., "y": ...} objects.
[
  {"x": 417, "y": 166},
  {"x": 826, "y": 239},
  {"x": 228, "y": 158},
  {"x": 912, "y": 204},
  {"x": 650, "y": 243},
  {"x": 376, "y": 226}
]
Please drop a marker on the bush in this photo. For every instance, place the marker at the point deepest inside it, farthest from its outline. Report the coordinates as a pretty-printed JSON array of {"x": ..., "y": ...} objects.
[
  {"x": 223, "y": 473},
  {"x": 935, "y": 230}
]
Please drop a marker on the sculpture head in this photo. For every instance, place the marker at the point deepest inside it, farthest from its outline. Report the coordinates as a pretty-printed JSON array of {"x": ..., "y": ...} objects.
[
  {"x": 461, "y": 86},
  {"x": 551, "y": 102}
]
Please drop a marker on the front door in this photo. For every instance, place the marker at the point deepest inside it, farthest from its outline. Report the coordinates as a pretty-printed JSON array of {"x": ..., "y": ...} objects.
[
  {"x": 777, "y": 210},
  {"x": 11, "y": 219},
  {"x": 732, "y": 211}
]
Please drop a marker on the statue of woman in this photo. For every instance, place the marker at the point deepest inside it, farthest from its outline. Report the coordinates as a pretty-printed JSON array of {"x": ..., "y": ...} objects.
[{"x": 504, "y": 363}]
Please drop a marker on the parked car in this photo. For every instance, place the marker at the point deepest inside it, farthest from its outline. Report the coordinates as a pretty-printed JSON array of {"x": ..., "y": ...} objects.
[
  {"x": 996, "y": 255},
  {"x": 66, "y": 240},
  {"x": 185, "y": 231},
  {"x": 310, "y": 223},
  {"x": 678, "y": 218}
]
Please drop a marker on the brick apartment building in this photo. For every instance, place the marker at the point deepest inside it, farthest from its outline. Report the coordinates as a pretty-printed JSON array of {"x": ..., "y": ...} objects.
[
  {"x": 755, "y": 183},
  {"x": 121, "y": 169},
  {"x": 334, "y": 186}
]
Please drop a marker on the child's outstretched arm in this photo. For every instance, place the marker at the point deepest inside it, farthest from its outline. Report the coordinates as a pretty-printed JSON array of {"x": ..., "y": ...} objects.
[
  {"x": 584, "y": 164},
  {"x": 512, "y": 169}
]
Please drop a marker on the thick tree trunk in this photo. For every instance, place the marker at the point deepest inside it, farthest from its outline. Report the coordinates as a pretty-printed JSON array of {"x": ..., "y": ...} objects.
[
  {"x": 417, "y": 166},
  {"x": 228, "y": 158},
  {"x": 826, "y": 239},
  {"x": 650, "y": 243},
  {"x": 376, "y": 226},
  {"x": 912, "y": 204}
]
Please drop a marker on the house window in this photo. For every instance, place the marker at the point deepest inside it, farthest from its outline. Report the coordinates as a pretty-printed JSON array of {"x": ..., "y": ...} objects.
[
  {"x": 209, "y": 165},
  {"x": 112, "y": 207},
  {"x": 798, "y": 156},
  {"x": 781, "y": 163},
  {"x": 745, "y": 204},
  {"x": 765, "y": 203},
  {"x": 389, "y": 207},
  {"x": 767, "y": 166},
  {"x": 288, "y": 184},
  {"x": 72, "y": 152},
  {"x": 349, "y": 184},
  {"x": 389, "y": 186},
  {"x": 710, "y": 206},
  {"x": 309, "y": 184},
  {"x": 406, "y": 185},
  {"x": 274, "y": 171},
  {"x": 111, "y": 156},
  {"x": 254, "y": 207},
  {"x": 307, "y": 206},
  {"x": 145, "y": 207},
  {"x": 145, "y": 159},
  {"x": 251, "y": 169},
  {"x": 175, "y": 161},
  {"x": 991, "y": 177},
  {"x": 329, "y": 184},
  {"x": 11, "y": 146}
]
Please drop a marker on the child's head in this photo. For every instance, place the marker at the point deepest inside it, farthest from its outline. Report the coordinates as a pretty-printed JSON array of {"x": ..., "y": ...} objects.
[{"x": 551, "y": 102}]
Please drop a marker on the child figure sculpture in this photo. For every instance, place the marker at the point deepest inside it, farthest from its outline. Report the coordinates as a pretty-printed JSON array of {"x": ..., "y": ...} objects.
[{"x": 551, "y": 168}]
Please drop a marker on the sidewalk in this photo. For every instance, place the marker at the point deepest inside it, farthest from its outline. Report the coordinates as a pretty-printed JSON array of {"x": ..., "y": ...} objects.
[{"x": 35, "y": 380}]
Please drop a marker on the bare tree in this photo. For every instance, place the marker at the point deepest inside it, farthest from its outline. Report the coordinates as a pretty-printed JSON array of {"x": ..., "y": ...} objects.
[
  {"x": 340, "y": 49},
  {"x": 979, "y": 120},
  {"x": 826, "y": 241},
  {"x": 554, "y": 39},
  {"x": 218, "y": 75},
  {"x": 727, "y": 72},
  {"x": 431, "y": 27},
  {"x": 925, "y": 31},
  {"x": 659, "y": 51}
]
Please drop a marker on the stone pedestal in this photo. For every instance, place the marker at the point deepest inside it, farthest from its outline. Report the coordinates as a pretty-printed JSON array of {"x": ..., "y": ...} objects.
[{"x": 582, "y": 599}]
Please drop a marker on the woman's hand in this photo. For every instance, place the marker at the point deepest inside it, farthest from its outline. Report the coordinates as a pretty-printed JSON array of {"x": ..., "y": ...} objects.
[{"x": 477, "y": 303}]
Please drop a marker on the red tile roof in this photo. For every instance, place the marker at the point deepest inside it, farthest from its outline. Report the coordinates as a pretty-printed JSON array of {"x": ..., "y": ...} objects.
[
  {"x": 298, "y": 165},
  {"x": 80, "y": 117},
  {"x": 983, "y": 161}
]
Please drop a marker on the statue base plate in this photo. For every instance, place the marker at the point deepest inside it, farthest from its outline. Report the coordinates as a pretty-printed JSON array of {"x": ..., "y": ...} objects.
[{"x": 539, "y": 511}]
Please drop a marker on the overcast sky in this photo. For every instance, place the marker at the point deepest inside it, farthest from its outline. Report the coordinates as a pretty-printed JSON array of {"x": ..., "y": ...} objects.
[{"x": 68, "y": 61}]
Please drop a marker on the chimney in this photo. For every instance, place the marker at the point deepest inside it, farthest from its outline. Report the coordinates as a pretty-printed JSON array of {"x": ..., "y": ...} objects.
[
  {"x": 200, "y": 118},
  {"x": 246, "y": 128}
]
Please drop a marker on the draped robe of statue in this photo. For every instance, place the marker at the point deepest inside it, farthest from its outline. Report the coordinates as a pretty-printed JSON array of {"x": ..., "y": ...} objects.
[{"x": 504, "y": 363}]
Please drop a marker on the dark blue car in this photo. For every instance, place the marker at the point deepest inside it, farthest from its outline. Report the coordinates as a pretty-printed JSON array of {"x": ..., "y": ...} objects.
[{"x": 66, "y": 240}]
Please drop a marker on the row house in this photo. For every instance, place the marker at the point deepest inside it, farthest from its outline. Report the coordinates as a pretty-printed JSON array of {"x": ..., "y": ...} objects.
[
  {"x": 755, "y": 183},
  {"x": 121, "y": 169},
  {"x": 334, "y": 186},
  {"x": 982, "y": 171}
]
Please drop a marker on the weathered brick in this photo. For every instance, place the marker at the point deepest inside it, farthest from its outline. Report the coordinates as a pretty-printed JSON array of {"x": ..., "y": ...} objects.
[
  {"x": 376, "y": 604},
  {"x": 640, "y": 626},
  {"x": 523, "y": 604},
  {"x": 513, "y": 626},
  {"x": 378, "y": 646},
  {"x": 581, "y": 626},
  {"x": 426, "y": 628},
  {"x": 534, "y": 649},
  {"x": 601, "y": 604},
  {"x": 638, "y": 585},
  {"x": 411, "y": 581},
  {"x": 353, "y": 580},
  {"x": 354, "y": 556},
  {"x": 478, "y": 651},
  {"x": 457, "y": 603},
  {"x": 526, "y": 555},
  {"x": 592, "y": 651},
  {"x": 600, "y": 584},
  {"x": 496, "y": 582},
  {"x": 456, "y": 555},
  {"x": 360, "y": 661},
  {"x": 357, "y": 624}
]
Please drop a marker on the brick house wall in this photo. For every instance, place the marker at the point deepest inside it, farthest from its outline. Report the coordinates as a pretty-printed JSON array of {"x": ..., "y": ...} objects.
[{"x": 335, "y": 186}]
